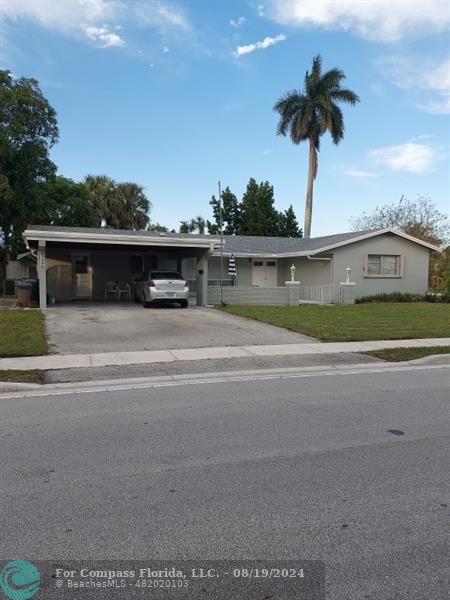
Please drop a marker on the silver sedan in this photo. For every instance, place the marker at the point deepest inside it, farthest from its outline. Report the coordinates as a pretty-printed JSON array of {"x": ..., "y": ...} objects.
[{"x": 158, "y": 287}]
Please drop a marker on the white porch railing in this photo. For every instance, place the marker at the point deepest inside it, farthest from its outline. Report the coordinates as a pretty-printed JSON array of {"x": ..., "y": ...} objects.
[
  {"x": 308, "y": 294},
  {"x": 321, "y": 294}
]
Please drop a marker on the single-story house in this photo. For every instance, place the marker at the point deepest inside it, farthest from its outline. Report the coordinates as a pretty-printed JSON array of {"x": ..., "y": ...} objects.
[{"x": 76, "y": 263}]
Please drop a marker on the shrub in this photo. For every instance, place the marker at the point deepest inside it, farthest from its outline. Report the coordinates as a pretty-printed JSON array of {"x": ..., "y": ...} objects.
[
  {"x": 444, "y": 297},
  {"x": 392, "y": 297}
]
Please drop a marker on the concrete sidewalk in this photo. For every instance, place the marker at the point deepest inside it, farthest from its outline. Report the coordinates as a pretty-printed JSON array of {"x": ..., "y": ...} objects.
[{"x": 71, "y": 361}]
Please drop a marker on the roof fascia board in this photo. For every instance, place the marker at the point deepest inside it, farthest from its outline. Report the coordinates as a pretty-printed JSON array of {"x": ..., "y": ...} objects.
[
  {"x": 104, "y": 238},
  {"x": 372, "y": 234},
  {"x": 359, "y": 239},
  {"x": 246, "y": 254},
  {"x": 415, "y": 240}
]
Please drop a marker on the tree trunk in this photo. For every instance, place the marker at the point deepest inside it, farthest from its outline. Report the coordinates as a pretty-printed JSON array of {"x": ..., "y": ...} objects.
[{"x": 312, "y": 171}]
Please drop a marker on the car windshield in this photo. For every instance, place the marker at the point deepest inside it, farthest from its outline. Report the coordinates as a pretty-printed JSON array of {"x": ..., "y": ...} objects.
[{"x": 165, "y": 275}]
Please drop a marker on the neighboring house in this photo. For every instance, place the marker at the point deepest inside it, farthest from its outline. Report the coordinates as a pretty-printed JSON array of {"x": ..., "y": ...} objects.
[
  {"x": 76, "y": 263},
  {"x": 22, "y": 268}
]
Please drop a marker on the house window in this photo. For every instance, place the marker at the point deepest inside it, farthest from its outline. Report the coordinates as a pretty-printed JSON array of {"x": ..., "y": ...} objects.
[
  {"x": 271, "y": 263},
  {"x": 258, "y": 263},
  {"x": 384, "y": 265}
]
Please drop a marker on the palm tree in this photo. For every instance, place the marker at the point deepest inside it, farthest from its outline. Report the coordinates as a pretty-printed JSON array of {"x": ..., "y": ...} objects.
[
  {"x": 198, "y": 225},
  {"x": 101, "y": 190},
  {"x": 133, "y": 206},
  {"x": 307, "y": 114}
]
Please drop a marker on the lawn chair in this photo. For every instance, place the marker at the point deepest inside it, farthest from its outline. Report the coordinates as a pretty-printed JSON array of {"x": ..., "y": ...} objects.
[
  {"x": 123, "y": 289},
  {"x": 110, "y": 290}
]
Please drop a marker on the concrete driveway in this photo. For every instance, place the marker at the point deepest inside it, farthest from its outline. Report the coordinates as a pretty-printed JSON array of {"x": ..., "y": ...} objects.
[{"x": 84, "y": 328}]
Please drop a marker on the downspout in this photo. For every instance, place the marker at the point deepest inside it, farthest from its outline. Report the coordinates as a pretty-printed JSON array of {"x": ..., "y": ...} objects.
[{"x": 309, "y": 257}]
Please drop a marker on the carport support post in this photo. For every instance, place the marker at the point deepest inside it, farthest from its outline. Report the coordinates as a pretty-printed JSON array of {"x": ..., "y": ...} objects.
[
  {"x": 42, "y": 274},
  {"x": 202, "y": 280}
]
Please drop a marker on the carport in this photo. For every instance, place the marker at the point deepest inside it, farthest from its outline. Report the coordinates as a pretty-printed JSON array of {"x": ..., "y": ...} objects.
[{"x": 75, "y": 263}]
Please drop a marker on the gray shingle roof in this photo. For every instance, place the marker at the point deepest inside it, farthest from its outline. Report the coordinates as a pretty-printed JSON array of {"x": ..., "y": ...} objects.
[
  {"x": 233, "y": 244},
  {"x": 243, "y": 244}
]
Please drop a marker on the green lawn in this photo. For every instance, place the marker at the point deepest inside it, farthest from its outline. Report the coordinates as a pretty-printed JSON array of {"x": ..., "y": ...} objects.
[
  {"x": 22, "y": 333},
  {"x": 400, "y": 354},
  {"x": 356, "y": 322},
  {"x": 21, "y": 376}
]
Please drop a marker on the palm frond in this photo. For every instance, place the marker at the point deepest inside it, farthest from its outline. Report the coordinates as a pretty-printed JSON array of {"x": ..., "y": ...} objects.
[
  {"x": 302, "y": 123},
  {"x": 316, "y": 70},
  {"x": 288, "y": 106},
  {"x": 337, "y": 124},
  {"x": 331, "y": 80},
  {"x": 312, "y": 80},
  {"x": 345, "y": 95}
]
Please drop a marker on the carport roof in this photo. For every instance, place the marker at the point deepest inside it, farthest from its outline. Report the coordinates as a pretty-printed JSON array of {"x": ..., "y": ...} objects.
[{"x": 93, "y": 235}]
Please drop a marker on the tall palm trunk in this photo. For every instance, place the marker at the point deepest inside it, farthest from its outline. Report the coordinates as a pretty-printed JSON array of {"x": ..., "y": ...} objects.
[{"x": 312, "y": 172}]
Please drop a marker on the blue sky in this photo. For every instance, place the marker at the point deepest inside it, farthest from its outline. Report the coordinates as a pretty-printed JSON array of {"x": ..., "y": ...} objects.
[{"x": 176, "y": 96}]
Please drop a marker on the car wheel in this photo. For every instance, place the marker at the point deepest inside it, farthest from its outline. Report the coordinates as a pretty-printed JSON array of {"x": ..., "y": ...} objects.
[
  {"x": 145, "y": 304},
  {"x": 184, "y": 304}
]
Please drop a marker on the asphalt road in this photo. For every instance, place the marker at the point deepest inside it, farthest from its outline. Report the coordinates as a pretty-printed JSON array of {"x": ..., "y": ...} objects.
[{"x": 349, "y": 469}]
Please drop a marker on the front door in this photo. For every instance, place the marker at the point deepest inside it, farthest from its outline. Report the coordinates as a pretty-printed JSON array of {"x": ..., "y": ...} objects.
[
  {"x": 264, "y": 273},
  {"x": 82, "y": 276}
]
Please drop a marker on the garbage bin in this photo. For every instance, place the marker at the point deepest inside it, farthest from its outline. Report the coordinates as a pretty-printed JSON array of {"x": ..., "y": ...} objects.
[
  {"x": 24, "y": 293},
  {"x": 34, "y": 297}
]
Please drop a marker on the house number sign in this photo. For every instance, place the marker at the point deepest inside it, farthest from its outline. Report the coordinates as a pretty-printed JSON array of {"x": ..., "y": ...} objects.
[{"x": 41, "y": 257}]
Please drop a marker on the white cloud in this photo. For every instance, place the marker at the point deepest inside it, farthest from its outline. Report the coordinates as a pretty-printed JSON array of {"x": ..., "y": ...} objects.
[
  {"x": 103, "y": 36},
  {"x": 411, "y": 157},
  {"x": 360, "y": 174},
  {"x": 159, "y": 14},
  {"x": 97, "y": 19},
  {"x": 440, "y": 106},
  {"x": 165, "y": 50},
  {"x": 265, "y": 43},
  {"x": 429, "y": 79},
  {"x": 372, "y": 19},
  {"x": 65, "y": 15},
  {"x": 260, "y": 9},
  {"x": 238, "y": 23}
]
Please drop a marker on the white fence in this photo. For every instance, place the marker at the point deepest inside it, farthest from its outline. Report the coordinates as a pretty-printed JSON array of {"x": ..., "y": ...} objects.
[
  {"x": 277, "y": 296},
  {"x": 321, "y": 294}
]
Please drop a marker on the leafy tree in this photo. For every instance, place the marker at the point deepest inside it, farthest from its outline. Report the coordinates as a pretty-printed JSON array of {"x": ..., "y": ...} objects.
[
  {"x": 257, "y": 212},
  {"x": 309, "y": 113},
  {"x": 28, "y": 129},
  {"x": 67, "y": 203},
  {"x": 419, "y": 218},
  {"x": 288, "y": 225},
  {"x": 440, "y": 271},
  {"x": 230, "y": 213}
]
